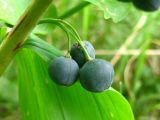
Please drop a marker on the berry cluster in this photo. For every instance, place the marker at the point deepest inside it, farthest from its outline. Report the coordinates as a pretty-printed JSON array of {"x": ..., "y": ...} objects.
[{"x": 95, "y": 75}]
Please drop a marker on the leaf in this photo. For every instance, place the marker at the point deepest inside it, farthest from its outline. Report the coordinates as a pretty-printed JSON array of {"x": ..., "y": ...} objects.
[
  {"x": 112, "y": 8},
  {"x": 3, "y": 32},
  {"x": 41, "y": 99},
  {"x": 42, "y": 48},
  {"x": 11, "y": 10},
  {"x": 15, "y": 8}
]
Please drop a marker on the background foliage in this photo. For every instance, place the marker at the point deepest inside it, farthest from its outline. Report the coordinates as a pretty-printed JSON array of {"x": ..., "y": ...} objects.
[{"x": 136, "y": 37}]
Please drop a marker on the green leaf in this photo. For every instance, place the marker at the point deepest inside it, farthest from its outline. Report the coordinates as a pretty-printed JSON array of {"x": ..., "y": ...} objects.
[
  {"x": 41, "y": 99},
  {"x": 42, "y": 48},
  {"x": 112, "y": 9},
  {"x": 11, "y": 10},
  {"x": 3, "y": 32},
  {"x": 15, "y": 8}
]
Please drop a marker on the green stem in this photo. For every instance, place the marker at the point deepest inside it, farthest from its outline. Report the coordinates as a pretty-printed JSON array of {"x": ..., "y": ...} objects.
[
  {"x": 78, "y": 39},
  {"x": 72, "y": 31},
  {"x": 69, "y": 44},
  {"x": 55, "y": 22},
  {"x": 73, "y": 10},
  {"x": 22, "y": 29},
  {"x": 86, "y": 15}
]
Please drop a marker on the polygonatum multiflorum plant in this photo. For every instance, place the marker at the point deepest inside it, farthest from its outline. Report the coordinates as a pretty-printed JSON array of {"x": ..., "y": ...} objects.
[{"x": 42, "y": 65}]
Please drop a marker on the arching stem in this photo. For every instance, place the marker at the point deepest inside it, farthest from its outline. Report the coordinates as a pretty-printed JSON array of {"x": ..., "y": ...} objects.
[{"x": 71, "y": 30}]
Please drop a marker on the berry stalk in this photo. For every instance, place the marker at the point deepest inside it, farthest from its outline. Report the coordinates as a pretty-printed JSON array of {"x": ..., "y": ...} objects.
[{"x": 71, "y": 30}]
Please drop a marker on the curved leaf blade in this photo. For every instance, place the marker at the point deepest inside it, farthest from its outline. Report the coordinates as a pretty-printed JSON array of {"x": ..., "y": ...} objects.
[
  {"x": 113, "y": 9},
  {"x": 46, "y": 51},
  {"x": 41, "y": 99}
]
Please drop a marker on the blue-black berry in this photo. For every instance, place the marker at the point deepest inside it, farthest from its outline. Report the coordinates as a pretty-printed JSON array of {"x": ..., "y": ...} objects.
[{"x": 63, "y": 71}]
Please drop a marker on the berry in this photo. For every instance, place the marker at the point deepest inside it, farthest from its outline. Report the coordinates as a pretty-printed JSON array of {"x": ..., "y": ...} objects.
[
  {"x": 96, "y": 75},
  {"x": 147, "y": 5},
  {"x": 63, "y": 71},
  {"x": 78, "y": 54}
]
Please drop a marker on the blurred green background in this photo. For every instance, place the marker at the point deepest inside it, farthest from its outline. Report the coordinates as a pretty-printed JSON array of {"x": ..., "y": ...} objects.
[{"x": 132, "y": 45}]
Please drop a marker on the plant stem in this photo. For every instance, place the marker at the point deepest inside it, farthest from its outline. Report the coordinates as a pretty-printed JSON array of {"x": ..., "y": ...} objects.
[
  {"x": 72, "y": 31},
  {"x": 69, "y": 44},
  {"x": 78, "y": 39},
  {"x": 73, "y": 10},
  {"x": 19, "y": 33},
  {"x": 55, "y": 22},
  {"x": 85, "y": 24}
]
